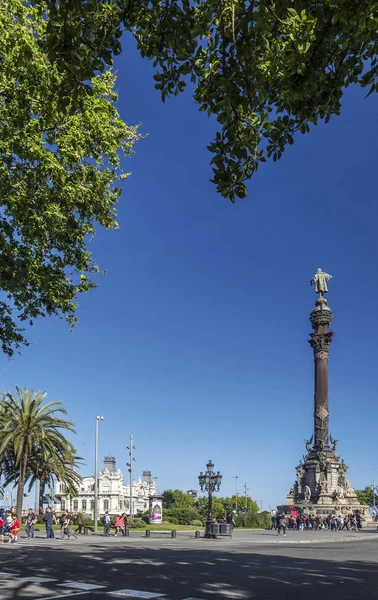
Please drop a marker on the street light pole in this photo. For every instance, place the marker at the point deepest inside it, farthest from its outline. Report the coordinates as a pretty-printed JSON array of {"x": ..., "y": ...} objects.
[
  {"x": 236, "y": 477},
  {"x": 246, "y": 489},
  {"x": 98, "y": 418},
  {"x": 130, "y": 465},
  {"x": 210, "y": 482}
]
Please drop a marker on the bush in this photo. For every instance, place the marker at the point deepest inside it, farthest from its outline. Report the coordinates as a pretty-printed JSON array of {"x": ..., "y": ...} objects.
[
  {"x": 182, "y": 516},
  {"x": 136, "y": 524},
  {"x": 171, "y": 520},
  {"x": 197, "y": 523},
  {"x": 253, "y": 520}
]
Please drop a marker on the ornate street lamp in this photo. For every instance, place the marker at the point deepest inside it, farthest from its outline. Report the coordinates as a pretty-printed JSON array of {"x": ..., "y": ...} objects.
[{"x": 209, "y": 482}]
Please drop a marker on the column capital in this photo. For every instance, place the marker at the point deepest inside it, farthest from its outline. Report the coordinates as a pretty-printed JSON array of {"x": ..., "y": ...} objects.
[{"x": 320, "y": 342}]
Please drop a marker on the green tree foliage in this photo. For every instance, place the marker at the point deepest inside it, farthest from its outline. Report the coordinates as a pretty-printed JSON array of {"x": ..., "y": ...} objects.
[
  {"x": 59, "y": 166},
  {"x": 265, "y": 70},
  {"x": 177, "y": 499},
  {"x": 221, "y": 506},
  {"x": 45, "y": 468},
  {"x": 253, "y": 520},
  {"x": 27, "y": 425},
  {"x": 366, "y": 497}
]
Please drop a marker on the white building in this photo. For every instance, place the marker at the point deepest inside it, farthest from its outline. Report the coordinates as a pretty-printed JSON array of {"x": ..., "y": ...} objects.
[{"x": 113, "y": 494}]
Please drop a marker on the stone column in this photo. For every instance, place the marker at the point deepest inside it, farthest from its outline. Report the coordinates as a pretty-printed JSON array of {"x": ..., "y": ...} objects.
[{"x": 321, "y": 317}]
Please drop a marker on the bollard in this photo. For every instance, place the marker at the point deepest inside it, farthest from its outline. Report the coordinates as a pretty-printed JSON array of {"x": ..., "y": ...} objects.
[
  {"x": 85, "y": 530},
  {"x": 127, "y": 532},
  {"x": 197, "y": 535},
  {"x": 173, "y": 533},
  {"x": 148, "y": 533}
]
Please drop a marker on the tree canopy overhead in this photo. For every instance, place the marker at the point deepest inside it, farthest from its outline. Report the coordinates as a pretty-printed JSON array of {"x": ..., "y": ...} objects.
[
  {"x": 266, "y": 69},
  {"x": 59, "y": 173}
]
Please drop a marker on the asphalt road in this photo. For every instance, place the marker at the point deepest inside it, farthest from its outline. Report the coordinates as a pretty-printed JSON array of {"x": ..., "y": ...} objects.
[{"x": 188, "y": 569}]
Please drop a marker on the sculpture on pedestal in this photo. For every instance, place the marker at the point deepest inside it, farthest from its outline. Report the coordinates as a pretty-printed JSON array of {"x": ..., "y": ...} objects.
[{"x": 322, "y": 483}]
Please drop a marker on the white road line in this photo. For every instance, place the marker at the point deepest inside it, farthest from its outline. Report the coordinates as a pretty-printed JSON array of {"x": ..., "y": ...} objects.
[
  {"x": 62, "y": 596},
  {"x": 80, "y": 586},
  {"x": 136, "y": 594},
  {"x": 38, "y": 579},
  {"x": 3, "y": 574}
]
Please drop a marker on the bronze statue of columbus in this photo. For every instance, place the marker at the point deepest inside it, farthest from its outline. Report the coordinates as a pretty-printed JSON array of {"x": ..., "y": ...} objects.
[{"x": 320, "y": 282}]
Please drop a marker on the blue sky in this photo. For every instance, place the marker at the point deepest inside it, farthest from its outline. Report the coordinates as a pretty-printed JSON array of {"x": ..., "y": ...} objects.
[{"x": 196, "y": 340}]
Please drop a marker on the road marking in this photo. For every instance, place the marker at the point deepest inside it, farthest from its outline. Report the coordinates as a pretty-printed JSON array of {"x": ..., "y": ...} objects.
[
  {"x": 3, "y": 574},
  {"x": 136, "y": 594},
  {"x": 62, "y": 596},
  {"x": 80, "y": 586},
  {"x": 38, "y": 579}
]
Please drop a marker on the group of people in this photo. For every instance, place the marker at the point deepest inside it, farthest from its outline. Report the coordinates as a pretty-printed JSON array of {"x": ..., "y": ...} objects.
[
  {"x": 9, "y": 526},
  {"x": 351, "y": 522},
  {"x": 119, "y": 523}
]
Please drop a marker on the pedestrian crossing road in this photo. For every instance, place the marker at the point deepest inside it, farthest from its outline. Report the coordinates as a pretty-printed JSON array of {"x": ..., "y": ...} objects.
[{"x": 49, "y": 588}]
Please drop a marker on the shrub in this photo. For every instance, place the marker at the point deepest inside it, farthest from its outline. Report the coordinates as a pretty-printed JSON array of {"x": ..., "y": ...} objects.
[
  {"x": 136, "y": 524},
  {"x": 171, "y": 520},
  {"x": 196, "y": 523},
  {"x": 183, "y": 516},
  {"x": 253, "y": 520}
]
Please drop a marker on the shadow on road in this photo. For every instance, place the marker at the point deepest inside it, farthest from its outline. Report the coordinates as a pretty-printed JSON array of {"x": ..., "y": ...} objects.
[{"x": 263, "y": 573}]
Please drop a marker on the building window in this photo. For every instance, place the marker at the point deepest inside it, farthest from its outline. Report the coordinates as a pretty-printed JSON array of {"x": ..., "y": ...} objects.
[
  {"x": 83, "y": 505},
  {"x": 63, "y": 504},
  {"x": 76, "y": 504},
  {"x": 62, "y": 488},
  {"x": 92, "y": 504},
  {"x": 106, "y": 504}
]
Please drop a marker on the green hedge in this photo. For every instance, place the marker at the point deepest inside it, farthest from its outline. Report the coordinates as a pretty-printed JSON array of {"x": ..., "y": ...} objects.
[
  {"x": 253, "y": 520},
  {"x": 181, "y": 516},
  {"x": 136, "y": 524}
]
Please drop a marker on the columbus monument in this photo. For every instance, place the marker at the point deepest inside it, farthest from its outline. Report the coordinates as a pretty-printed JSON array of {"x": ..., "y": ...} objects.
[{"x": 321, "y": 486}]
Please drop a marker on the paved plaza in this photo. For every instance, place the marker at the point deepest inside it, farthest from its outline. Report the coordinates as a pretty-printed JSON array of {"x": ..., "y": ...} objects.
[{"x": 253, "y": 565}]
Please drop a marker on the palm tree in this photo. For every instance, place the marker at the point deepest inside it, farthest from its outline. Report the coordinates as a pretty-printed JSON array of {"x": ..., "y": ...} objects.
[
  {"x": 27, "y": 424},
  {"x": 44, "y": 468}
]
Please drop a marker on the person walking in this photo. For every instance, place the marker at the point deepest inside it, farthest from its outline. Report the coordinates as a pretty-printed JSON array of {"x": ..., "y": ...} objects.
[
  {"x": 80, "y": 523},
  {"x": 106, "y": 523},
  {"x": 274, "y": 522},
  {"x": 124, "y": 524},
  {"x": 30, "y": 522},
  {"x": 281, "y": 524},
  {"x": 49, "y": 520},
  {"x": 2, "y": 524},
  {"x": 119, "y": 524},
  {"x": 15, "y": 528}
]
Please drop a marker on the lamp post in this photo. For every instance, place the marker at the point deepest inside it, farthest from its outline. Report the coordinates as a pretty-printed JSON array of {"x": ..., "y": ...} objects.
[
  {"x": 98, "y": 418},
  {"x": 246, "y": 490},
  {"x": 130, "y": 465},
  {"x": 236, "y": 477},
  {"x": 209, "y": 482}
]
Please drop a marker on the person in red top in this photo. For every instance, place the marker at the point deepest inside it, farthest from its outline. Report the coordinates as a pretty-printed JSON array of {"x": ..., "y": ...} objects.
[
  {"x": 2, "y": 523},
  {"x": 15, "y": 529}
]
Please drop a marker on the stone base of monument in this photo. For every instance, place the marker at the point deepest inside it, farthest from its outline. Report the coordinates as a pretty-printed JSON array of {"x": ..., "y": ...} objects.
[{"x": 322, "y": 487}]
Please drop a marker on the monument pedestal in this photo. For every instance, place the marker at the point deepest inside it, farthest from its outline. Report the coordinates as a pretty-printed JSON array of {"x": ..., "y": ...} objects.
[{"x": 322, "y": 486}]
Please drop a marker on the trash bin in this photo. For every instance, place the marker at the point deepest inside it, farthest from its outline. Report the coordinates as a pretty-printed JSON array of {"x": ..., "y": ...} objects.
[
  {"x": 215, "y": 529},
  {"x": 226, "y": 529}
]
